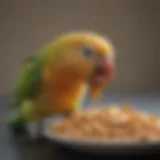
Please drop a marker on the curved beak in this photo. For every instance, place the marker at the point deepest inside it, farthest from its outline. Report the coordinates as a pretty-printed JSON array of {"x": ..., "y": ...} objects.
[{"x": 101, "y": 77}]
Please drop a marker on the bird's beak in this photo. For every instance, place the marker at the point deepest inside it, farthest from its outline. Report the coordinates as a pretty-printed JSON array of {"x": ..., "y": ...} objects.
[{"x": 101, "y": 77}]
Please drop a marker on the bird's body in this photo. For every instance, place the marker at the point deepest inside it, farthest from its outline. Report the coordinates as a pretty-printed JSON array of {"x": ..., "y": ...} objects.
[{"x": 58, "y": 78}]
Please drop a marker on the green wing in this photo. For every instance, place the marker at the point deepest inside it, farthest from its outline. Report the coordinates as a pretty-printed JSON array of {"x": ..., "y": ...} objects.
[
  {"x": 29, "y": 82},
  {"x": 30, "y": 77}
]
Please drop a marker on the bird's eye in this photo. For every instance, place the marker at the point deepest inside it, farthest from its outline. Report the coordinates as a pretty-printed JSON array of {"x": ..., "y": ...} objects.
[{"x": 88, "y": 51}]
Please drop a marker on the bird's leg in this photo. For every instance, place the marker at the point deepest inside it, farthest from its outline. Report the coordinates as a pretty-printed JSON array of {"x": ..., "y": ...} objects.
[
  {"x": 40, "y": 128},
  {"x": 36, "y": 130}
]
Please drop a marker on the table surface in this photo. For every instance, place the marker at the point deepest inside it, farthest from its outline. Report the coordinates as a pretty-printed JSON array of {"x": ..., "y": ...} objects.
[{"x": 10, "y": 150}]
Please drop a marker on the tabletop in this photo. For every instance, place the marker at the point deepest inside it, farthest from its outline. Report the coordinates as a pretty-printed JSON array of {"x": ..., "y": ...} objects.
[{"x": 44, "y": 150}]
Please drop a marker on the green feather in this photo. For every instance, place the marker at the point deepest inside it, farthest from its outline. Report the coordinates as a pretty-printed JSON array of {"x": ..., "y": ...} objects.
[{"x": 29, "y": 82}]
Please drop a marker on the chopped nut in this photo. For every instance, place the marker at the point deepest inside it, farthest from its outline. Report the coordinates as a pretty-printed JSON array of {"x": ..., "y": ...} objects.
[{"x": 111, "y": 123}]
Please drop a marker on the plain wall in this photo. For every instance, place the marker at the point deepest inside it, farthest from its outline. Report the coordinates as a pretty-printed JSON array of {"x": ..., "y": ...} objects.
[{"x": 132, "y": 25}]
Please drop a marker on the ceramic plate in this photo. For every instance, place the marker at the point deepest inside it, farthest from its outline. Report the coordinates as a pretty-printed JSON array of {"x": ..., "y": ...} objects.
[{"x": 99, "y": 147}]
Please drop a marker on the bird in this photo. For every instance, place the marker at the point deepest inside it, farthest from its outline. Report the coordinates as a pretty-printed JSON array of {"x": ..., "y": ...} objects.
[{"x": 57, "y": 78}]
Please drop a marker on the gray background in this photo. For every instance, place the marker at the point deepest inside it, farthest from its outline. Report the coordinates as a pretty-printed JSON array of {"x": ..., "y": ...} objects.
[{"x": 132, "y": 25}]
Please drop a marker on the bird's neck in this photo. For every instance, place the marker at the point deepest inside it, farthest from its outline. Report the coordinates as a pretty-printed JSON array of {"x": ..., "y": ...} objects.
[
  {"x": 74, "y": 97},
  {"x": 80, "y": 95}
]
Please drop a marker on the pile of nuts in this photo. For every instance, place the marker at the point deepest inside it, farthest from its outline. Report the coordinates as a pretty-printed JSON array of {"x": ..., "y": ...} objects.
[{"x": 110, "y": 123}]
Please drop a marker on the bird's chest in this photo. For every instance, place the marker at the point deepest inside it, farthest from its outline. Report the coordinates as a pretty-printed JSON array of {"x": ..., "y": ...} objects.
[
  {"x": 63, "y": 101},
  {"x": 70, "y": 99}
]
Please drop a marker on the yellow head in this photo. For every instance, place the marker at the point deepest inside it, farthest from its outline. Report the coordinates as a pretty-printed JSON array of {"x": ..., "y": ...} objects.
[{"x": 84, "y": 57}]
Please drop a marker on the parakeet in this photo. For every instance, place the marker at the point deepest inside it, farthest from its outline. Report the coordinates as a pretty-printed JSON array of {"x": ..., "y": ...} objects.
[{"x": 58, "y": 77}]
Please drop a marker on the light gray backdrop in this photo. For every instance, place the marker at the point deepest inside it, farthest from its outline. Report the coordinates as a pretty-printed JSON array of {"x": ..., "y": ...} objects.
[{"x": 132, "y": 25}]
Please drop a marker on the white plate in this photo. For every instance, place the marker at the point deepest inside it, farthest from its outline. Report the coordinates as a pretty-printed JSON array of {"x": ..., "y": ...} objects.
[{"x": 99, "y": 147}]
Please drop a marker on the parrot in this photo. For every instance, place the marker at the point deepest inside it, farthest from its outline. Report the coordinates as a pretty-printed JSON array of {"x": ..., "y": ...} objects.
[{"x": 57, "y": 78}]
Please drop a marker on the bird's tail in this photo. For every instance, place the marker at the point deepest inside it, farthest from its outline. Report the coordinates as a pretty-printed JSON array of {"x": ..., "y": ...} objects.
[{"x": 17, "y": 125}]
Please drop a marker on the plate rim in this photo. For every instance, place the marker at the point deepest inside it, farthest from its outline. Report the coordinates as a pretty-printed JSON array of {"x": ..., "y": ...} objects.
[
  {"x": 101, "y": 143},
  {"x": 81, "y": 142}
]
